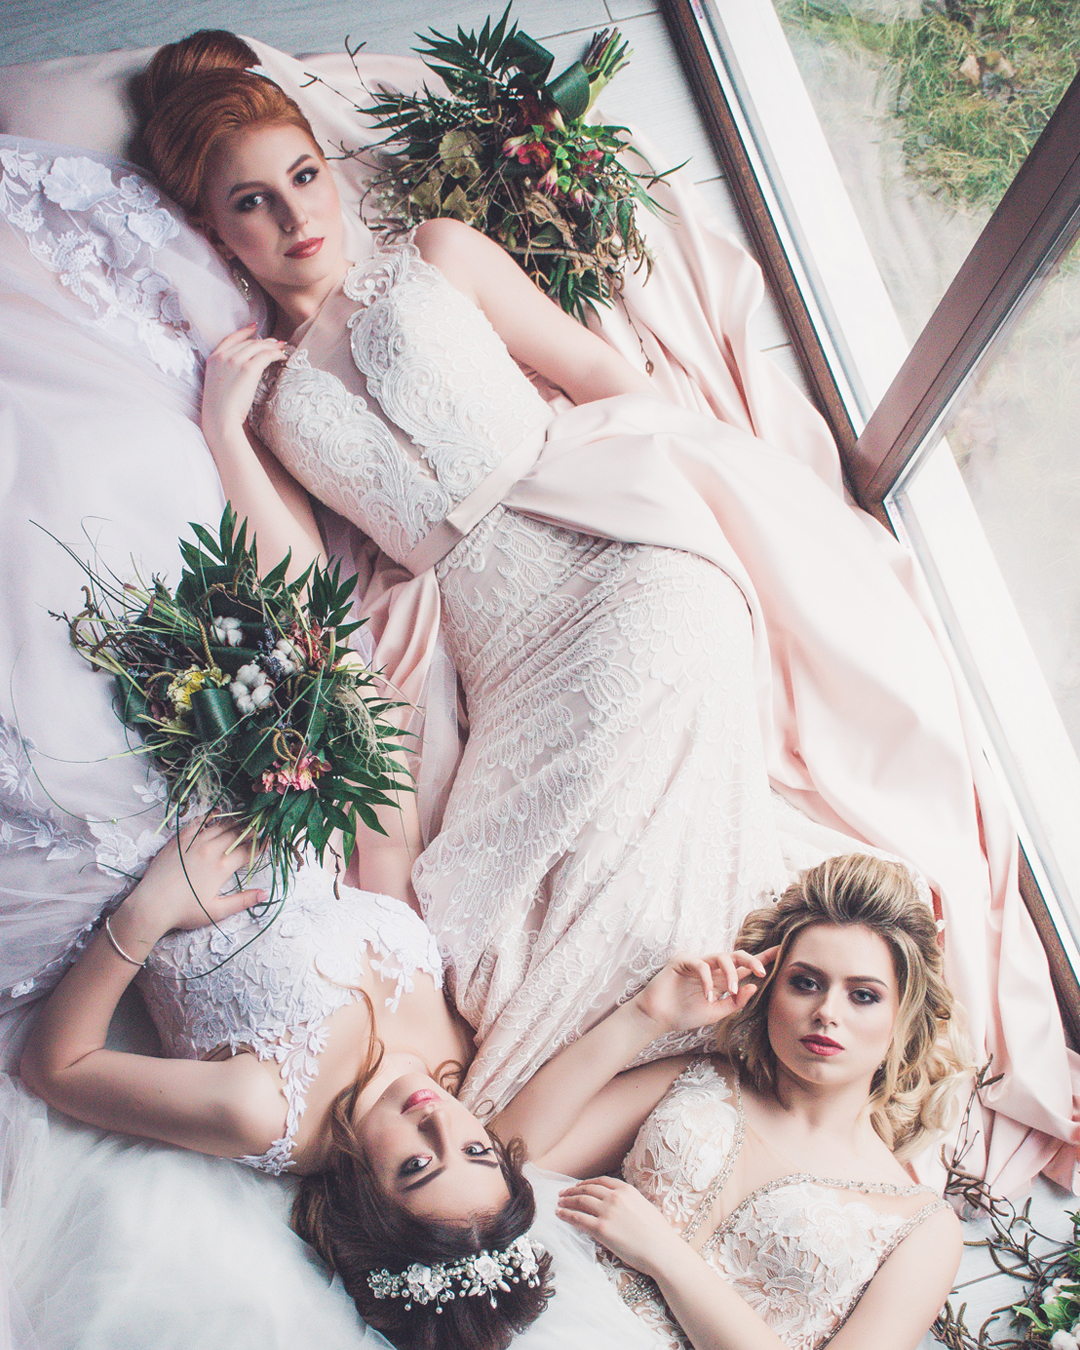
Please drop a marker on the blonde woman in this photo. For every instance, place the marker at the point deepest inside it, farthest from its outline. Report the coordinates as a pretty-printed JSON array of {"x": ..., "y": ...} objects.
[{"x": 766, "y": 1203}]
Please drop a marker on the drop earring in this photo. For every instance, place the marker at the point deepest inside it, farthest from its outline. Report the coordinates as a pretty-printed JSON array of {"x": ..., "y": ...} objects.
[{"x": 242, "y": 280}]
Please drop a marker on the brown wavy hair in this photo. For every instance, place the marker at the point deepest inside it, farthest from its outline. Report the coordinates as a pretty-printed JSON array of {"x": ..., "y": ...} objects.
[
  {"x": 913, "y": 1093},
  {"x": 356, "y": 1228},
  {"x": 193, "y": 94}
]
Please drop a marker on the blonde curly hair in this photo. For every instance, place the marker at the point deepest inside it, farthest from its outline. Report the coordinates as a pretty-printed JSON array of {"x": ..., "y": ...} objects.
[{"x": 913, "y": 1094}]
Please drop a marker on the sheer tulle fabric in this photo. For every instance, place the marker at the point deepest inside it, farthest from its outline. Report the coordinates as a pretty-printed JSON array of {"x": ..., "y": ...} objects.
[{"x": 112, "y": 1242}]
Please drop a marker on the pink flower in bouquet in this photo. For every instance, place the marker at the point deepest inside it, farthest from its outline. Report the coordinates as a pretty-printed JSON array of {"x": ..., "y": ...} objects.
[
  {"x": 527, "y": 152},
  {"x": 301, "y": 775},
  {"x": 550, "y": 181}
]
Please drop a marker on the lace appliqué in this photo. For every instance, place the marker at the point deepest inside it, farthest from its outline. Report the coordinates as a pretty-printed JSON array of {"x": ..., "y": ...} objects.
[
  {"x": 451, "y": 404},
  {"x": 269, "y": 984},
  {"x": 438, "y": 369},
  {"x": 346, "y": 456},
  {"x": 23, "y": 825},
  {"x": 799, "y": 1255},
  {"x": 97, "y": 229},
  {"x": 612, "y": 803}
]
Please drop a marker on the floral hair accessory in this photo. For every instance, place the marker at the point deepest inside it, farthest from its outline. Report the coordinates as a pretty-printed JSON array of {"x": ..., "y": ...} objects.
[{"x": 472, "y": 1277}]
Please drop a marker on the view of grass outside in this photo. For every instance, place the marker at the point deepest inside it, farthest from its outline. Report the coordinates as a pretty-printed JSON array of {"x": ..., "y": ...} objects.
[{"x": 929, "y": 109}]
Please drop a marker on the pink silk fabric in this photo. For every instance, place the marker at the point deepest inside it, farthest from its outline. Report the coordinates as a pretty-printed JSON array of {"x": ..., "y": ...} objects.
[{"x": 868, "y": 725}]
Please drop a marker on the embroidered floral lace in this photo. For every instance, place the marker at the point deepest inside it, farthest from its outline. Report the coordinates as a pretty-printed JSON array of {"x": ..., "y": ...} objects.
[
  {"x": 795, "y": 1249},
  {"x": 445, "y": 403},
  {"x": 98, "y": 228},
  {"x": 270, "y": 984},
  {"x": 611, "y": 805}
]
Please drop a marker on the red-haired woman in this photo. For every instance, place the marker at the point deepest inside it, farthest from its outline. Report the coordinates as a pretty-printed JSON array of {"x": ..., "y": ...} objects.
[{"x": 612, "y": 802}]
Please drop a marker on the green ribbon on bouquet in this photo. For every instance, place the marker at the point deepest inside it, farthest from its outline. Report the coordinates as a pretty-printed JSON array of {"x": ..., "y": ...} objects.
[
  {"x": 215, "y": 713},
  {"x": 570, "y": 91}
]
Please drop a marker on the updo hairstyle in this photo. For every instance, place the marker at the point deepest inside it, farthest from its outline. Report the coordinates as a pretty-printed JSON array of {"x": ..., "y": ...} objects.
[
  {"x": 356, "y": 1228},
  {"x": 194, "y": 93},
  {"x": 913, "y": 1094}
]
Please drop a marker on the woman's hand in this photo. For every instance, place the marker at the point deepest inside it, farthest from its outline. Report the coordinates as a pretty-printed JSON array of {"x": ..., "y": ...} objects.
[
  {"x": 693, "y": 992},
  {"x": 233, "y": 371},
  {"x": 620, "y": 1219},
  {"x": 182, "y": 886}
]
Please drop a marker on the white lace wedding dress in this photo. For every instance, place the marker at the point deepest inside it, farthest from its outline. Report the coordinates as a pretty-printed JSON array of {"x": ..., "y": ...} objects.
[
  {"x": 612, "y": 804},
  {"x": 799, "y": 1249},
  {"x": 268, "y": 982}
]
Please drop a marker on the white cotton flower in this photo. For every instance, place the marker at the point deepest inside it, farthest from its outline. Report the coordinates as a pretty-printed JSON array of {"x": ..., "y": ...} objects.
[
  {"x": 228, "y": 631},
  {"x": 241, "y": 697},
  {"x": 261, "y": 694},
  {"x": 1064, "y": 1340},
  {"x": 287, "y": 656},
  {"x": 251, "y": 675},
  {"x": 251, "y": 688},
  {"x": 75, "y": 183}
]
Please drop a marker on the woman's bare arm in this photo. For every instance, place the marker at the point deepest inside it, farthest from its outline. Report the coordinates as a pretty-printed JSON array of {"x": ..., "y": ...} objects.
[
  {"x": 224, "y": 1108},
  {"x": 536, "y": 331},
  {"x": 571, "y": 1111},
  {"x": 908, "y": 1291}
]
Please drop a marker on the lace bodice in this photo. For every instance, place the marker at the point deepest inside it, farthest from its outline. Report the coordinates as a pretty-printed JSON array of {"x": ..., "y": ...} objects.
[
  {"x": 797, "y": 1249},
  {"x": 429, "y": 405},
  {"x": 270, "y": 983}
]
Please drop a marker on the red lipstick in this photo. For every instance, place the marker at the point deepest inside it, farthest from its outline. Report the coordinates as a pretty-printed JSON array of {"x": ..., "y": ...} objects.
[
  {"x": 821, "y": 1045},
  {"x": 306, "y": 248},
  {"x": 420, "y": 1098}
]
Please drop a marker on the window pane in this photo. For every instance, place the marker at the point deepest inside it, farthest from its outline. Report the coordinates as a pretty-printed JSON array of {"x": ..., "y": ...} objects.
[
  {"x": 929, "y": 108},
  {"x": 1015, "y": 435},
  {"x": 992, "y": 510}
]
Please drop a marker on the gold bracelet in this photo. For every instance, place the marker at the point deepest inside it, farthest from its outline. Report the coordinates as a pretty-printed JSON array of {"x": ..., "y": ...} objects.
[{"x": 119, "y": 950}]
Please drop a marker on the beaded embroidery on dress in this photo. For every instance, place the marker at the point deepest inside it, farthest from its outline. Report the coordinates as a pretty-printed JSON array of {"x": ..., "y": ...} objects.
[
  {"x": 271, "y": 983},
  {"x": 611, "y": 806},
  {"x": 795, "y": 1249}
]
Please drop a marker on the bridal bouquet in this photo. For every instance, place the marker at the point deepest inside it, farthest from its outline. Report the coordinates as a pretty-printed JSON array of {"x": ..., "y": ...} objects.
[
  {"x": 509, "y": 152},
  {"x": 245, "y": 694}
]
